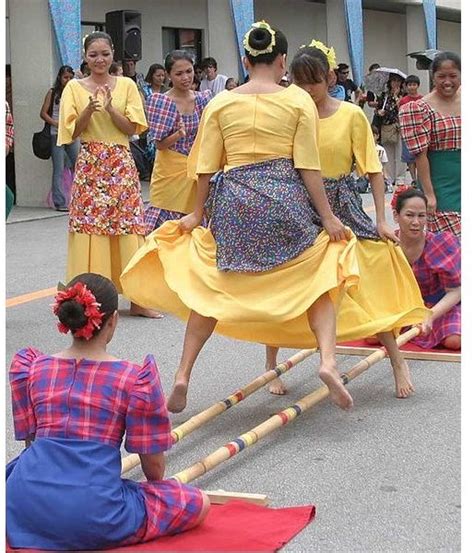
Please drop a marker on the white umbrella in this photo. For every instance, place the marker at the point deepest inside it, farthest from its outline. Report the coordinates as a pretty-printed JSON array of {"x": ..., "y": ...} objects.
[{"x": 377, "y": 79}]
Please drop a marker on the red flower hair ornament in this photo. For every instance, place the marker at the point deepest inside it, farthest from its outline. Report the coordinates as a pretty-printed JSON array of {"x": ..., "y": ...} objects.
[
  {"x": 82, "y": 295},
  {"x": 398, "y": 190}
]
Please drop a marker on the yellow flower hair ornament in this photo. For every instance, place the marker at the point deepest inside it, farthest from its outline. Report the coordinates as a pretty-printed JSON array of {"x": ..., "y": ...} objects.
[
  {"x": 259, "y": 25},
  {"x": 328, "y": 52}
]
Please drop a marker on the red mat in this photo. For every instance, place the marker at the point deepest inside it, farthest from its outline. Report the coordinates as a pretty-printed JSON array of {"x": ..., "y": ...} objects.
[
  {"x": 411, "y": 350},
  {"x": 235, "y": 526}
]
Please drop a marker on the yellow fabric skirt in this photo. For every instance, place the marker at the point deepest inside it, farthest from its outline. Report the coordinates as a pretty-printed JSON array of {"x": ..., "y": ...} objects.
[
  {"x": 170, "y": 186},
  {"x": 101, "y": 254},
  {"x": 176, "y": 272}
]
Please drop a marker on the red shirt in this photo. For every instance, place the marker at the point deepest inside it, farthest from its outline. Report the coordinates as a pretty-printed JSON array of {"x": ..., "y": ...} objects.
[{"x": 409, "y": 98}]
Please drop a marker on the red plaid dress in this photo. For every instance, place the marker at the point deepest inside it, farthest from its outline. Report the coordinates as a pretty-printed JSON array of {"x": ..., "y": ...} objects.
[
  {"x": 94, "y": 404},
  {"x": 437, "y": 269},
  {"x": 422, "y": 129}
]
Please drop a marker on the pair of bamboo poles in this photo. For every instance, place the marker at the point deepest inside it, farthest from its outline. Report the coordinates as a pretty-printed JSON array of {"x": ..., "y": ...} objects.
[{"x": 270, "y": 425}]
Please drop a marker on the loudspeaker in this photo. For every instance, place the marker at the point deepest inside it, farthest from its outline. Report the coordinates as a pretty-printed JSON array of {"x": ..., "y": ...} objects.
[{"x": 124, "y": 27}]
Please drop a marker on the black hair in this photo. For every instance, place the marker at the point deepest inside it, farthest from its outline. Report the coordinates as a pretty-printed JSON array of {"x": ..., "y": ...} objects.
[
  {"x": 260, "y": 39},
  {"x": 114, "y": 67},
  {"x": 72, "y": 314},
  {"x": 374, "y": 66},
  {"x": 412, "y": 79},
  {"x": 208, "y": 62},
  {"x": 342, "y": 67},
  {"x": 406, "y": 195},
  {"x": 83, "y": 67},
  {"x": 445, "y": 56},
  {"x": 176, "y": 55},
  {"x": 153, "y": 67},
  {"x": 375, "y": 130},
  {"x": 97, "y": 35},
  {"x": 310, "y": 65},
  {"x": 57, "y": 86}
]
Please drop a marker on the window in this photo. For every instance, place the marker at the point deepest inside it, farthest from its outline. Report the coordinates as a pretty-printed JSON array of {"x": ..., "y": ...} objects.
[{"x": 182, "y": 39}]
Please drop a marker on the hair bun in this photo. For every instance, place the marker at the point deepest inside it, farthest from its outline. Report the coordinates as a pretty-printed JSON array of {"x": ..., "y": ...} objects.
[
  {"x": 260, "y": 38},
  {"x": 72, "y": 314}
]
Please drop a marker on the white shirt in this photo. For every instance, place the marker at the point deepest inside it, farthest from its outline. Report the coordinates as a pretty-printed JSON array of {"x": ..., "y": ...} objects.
[
  {"x": 381, "y": 153},
  {"x": 215, "y": 86}
]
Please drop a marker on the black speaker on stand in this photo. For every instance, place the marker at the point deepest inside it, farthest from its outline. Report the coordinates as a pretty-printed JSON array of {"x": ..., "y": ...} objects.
[{"x": 125, "y": 28}]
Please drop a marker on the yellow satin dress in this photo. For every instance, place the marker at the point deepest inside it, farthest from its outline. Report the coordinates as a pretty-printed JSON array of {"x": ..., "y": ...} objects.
[{"x": 176, "y": 271}]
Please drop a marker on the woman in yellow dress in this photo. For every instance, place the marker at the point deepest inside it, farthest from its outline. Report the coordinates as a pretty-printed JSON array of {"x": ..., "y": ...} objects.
[
  {"x": 275, "y": 261},
  {"x": 388, "y": 292},
  {"x": 174, "y": 120},
  {"x": 106, "y": 224}
]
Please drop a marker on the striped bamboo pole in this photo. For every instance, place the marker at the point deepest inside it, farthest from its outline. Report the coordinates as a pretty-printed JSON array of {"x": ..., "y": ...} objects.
[
  {"x": 280, "y": 419},
  {"x": 131, "y": 461}
]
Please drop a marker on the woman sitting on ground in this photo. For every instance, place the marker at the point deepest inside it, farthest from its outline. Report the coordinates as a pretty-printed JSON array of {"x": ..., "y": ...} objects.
[
  {"x": 436, "y": 261},
  {"x": 64, "y": 492}
]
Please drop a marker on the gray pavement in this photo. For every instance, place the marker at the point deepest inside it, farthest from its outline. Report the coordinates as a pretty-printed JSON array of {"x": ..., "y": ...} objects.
[{"x": 384, "y": 477}]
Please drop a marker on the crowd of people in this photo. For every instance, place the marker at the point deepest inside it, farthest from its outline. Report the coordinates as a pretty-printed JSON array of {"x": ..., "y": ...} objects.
[{"x": 255, "y": 230}]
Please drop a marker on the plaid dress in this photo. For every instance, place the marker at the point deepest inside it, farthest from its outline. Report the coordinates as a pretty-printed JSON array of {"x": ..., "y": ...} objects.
[
  {"x": 439, "y": 268},
  {"x": 164, "y": 119},
  {"x": 65, "y": 490},
  {"x": 422, "y": 129}
]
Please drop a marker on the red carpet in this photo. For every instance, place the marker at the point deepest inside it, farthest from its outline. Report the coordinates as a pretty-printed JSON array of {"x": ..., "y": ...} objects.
[
  {"x": 235, "y": 526},
  {"x": 412, "y": 350}
]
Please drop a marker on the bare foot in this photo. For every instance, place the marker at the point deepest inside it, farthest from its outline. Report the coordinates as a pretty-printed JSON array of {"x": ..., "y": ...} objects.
[
  {"x": 403, "y": 385},
  {"x": 177, "y": 400},
  {"x": 337, "y": 392},
  {"x": 277, "y": 387},
  {"x": 137, "y": 311}
]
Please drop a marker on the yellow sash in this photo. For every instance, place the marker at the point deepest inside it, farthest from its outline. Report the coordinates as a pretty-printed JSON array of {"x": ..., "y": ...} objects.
[{"x": 170, "y": 186}]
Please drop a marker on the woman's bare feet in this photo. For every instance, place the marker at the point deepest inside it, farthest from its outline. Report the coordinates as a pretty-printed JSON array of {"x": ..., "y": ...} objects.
[
  {"x": 177, "y": 400},
  {"x": 337, "y": 391},
  {"x": 403, "y": 385},
  {"x": 277, "y": 387},
  {"x": 137, "y": 311}
]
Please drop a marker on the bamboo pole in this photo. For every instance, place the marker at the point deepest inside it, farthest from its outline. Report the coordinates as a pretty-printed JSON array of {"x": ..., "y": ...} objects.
[
  {"x": 280, "y": 419},
  {"x": 177, "y": 434}
]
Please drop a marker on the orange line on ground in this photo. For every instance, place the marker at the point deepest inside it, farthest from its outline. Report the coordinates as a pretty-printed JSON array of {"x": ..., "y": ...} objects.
[{"x": 25, "y": 298}]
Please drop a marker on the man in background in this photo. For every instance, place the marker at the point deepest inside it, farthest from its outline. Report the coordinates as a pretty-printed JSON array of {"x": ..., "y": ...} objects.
[
  {"x": 212, "y": 80},
  {"x": 342, "y": 72}
]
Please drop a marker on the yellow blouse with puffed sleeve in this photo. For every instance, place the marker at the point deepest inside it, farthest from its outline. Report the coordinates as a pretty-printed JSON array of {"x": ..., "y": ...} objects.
[
  {"x": 344, "y": 138},
  {"x": 125, "y": 98},
  {"x": 240, "y": 129}
]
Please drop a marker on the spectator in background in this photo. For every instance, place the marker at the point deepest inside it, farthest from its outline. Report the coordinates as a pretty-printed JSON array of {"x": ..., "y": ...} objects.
[
  {"x": 116, "y": 69},
  {"x": 231, "y": 83},
  {"x": 412, "y": 83},
  {"x": 387, "y": 108},
  {"x": 50, "y": 114},
  {"x": 335, "y": 90},
  {"x": 367, "y": 95},
  {"x": 9, "y": 137},
  {"x": 342, "y": 73},
  {"x": 382, "y": 157},
  {"x": 83, "y": 71},
  {"x": 130, "y": 70},
  {"x": 155, "y": 80},
  {"x": 212, "y": 80}
]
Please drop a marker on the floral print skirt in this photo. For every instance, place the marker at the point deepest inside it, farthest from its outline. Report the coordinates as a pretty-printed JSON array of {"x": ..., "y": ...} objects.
[{"x": 105, "y": 197}]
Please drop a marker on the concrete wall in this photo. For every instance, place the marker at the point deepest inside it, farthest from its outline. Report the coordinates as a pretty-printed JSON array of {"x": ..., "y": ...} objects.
[
  {"x": 300, "y": 21},
  {"x": 449, "y": 36},
  {"x": 33, "y": 62},
  {"x": 385, "y": 37}
]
